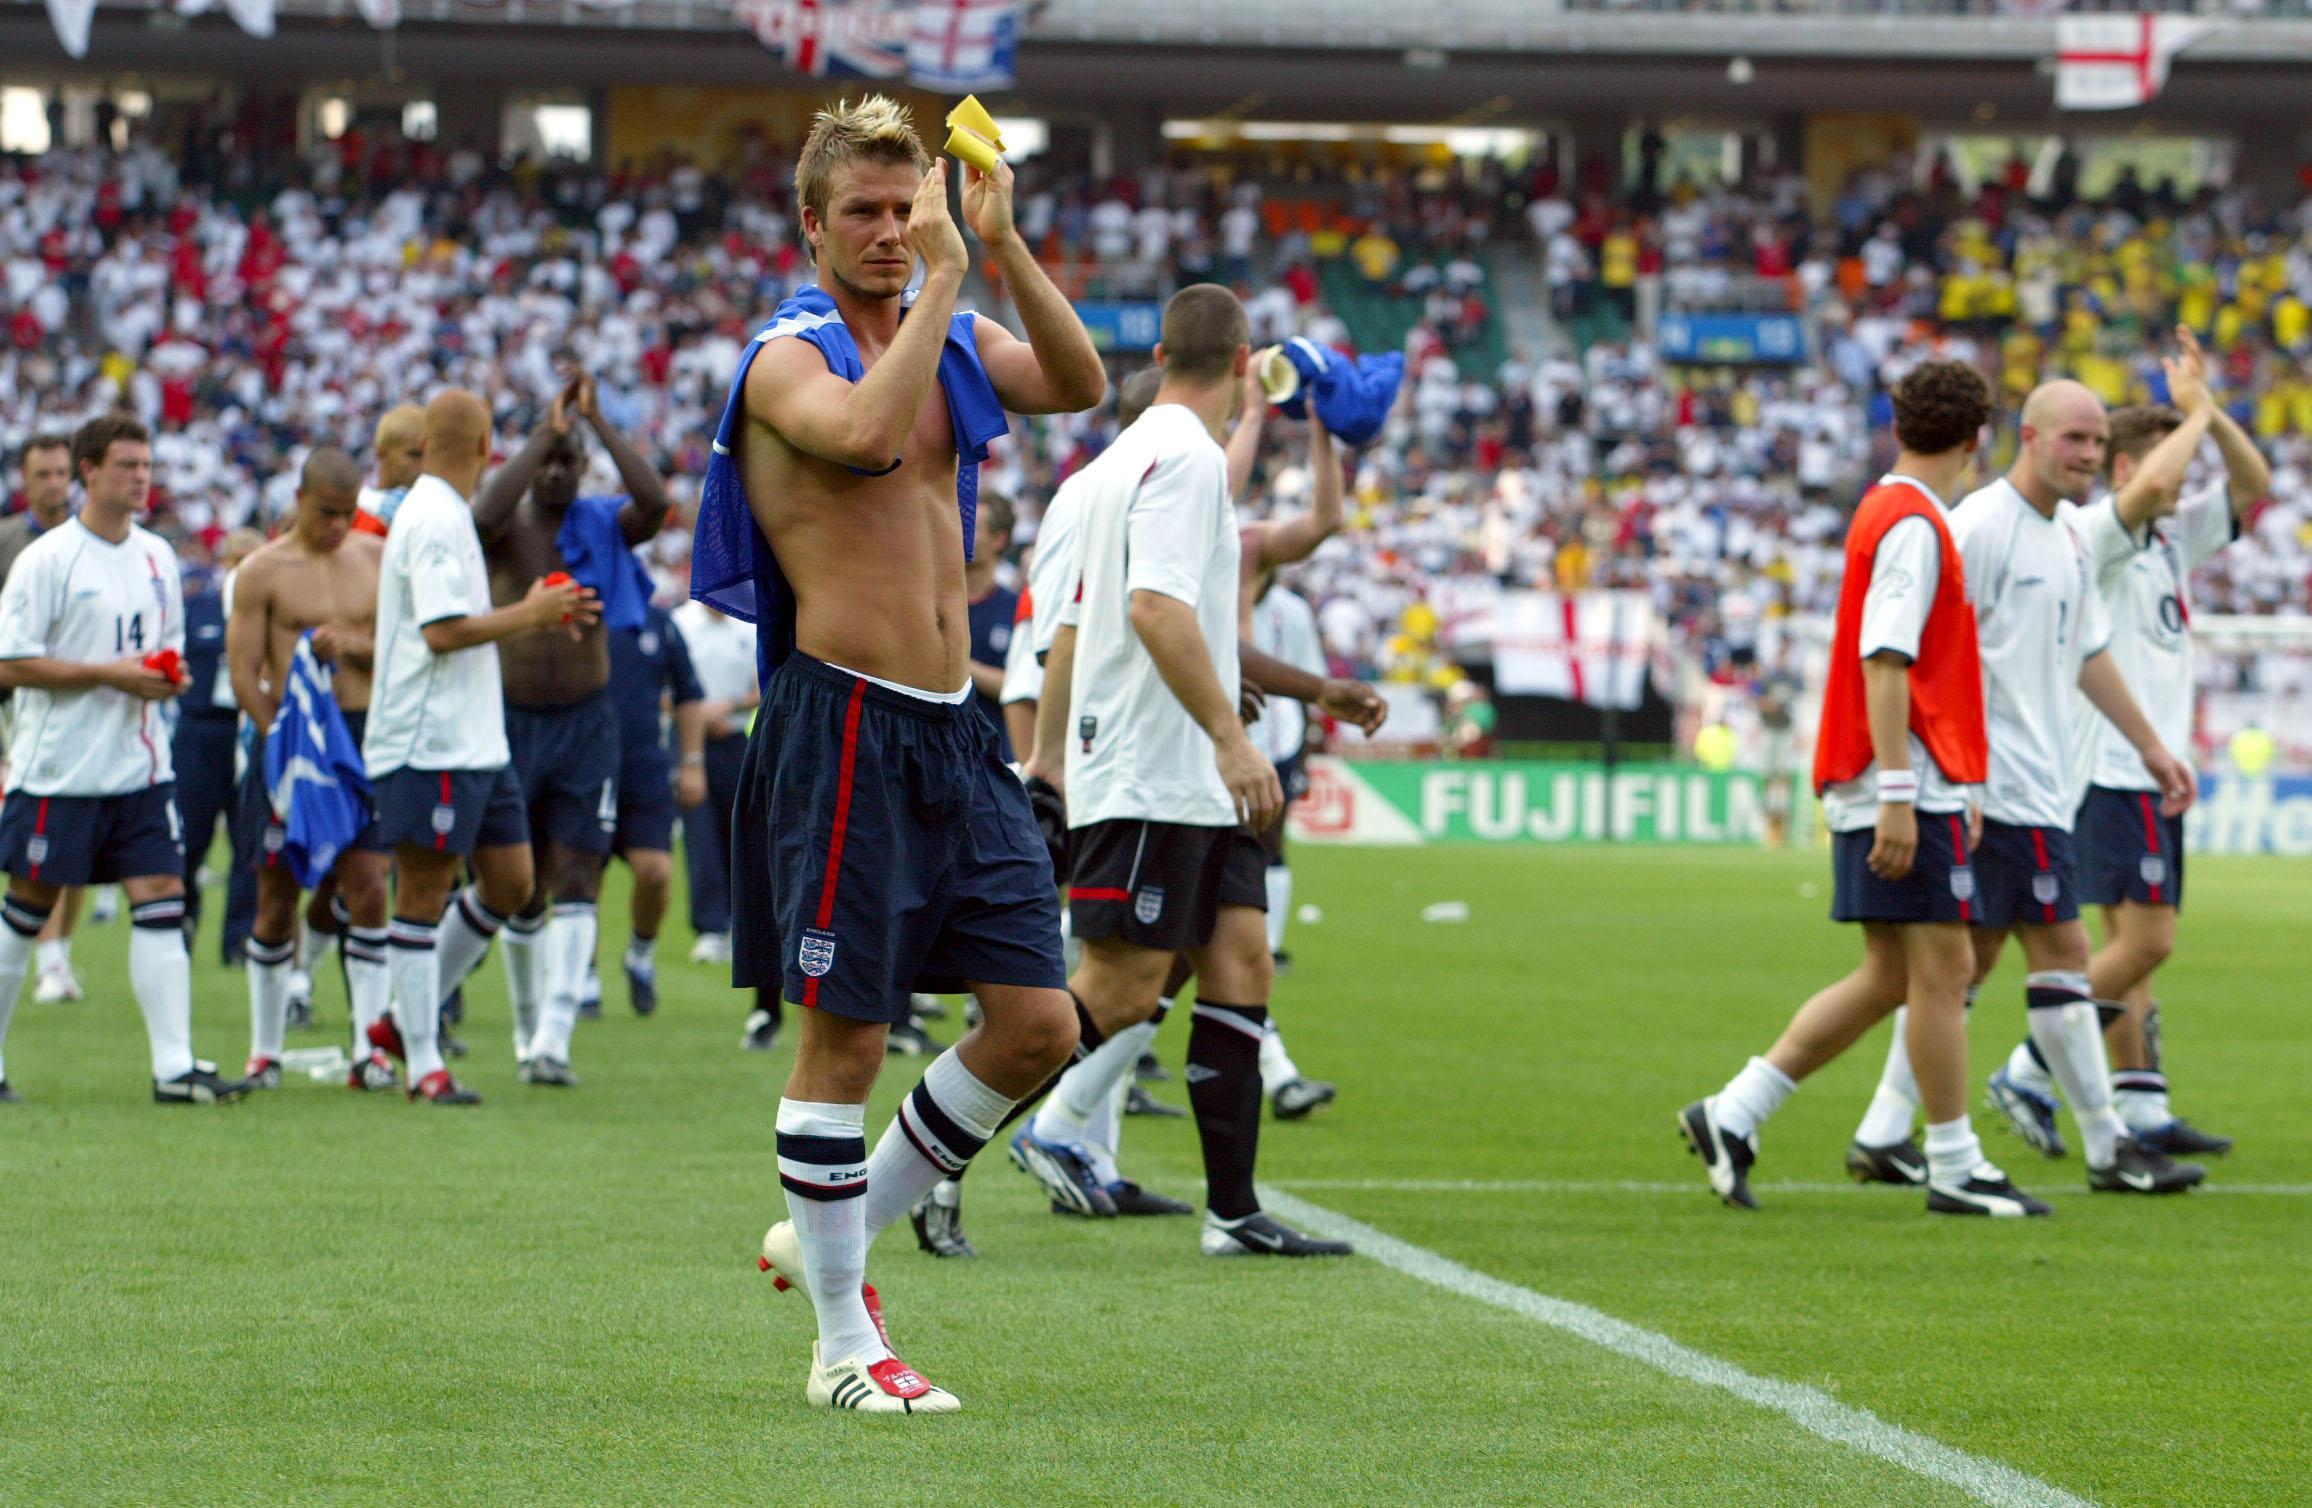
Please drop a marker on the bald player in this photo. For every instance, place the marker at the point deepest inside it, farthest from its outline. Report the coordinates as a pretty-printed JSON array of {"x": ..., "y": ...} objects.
[
  {"x": 561, "y": 725},
  {"x": 320, "y": 578},
  {"x": 435, "y": 744},
  {"x": 2043, "y": 631},
  {"x": 400, "y": 459}
]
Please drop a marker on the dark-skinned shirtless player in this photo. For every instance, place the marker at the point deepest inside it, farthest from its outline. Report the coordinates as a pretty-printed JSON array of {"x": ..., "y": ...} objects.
[{"x": 560, "y": 722}]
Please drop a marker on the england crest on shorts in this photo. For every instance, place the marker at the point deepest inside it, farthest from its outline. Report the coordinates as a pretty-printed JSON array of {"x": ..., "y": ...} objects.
[
  {"x": 36, "y": 849},
  {"x": 648, "y": 642},
  {"x": 1962, "y": 882},
  {"x": 2045, "y": 888},
  {"x": 1148, "y": 904},
  {"x": 276, "y": 837},
  {"x": 444, "y": 819},
  {"x": 817, "y": 953},
  {"x": 2153, "y": 868}
]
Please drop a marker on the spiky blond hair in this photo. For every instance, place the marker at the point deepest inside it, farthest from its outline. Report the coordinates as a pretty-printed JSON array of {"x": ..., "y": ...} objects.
[{"x": 876, "y": 129}]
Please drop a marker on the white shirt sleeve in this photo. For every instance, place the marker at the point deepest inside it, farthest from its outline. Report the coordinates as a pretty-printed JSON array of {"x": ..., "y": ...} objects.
[
  {"x": 1972, "y": 524},
  {"x": 2094, "y": 624},
  {"x": 173, "y": 605},
  {"x": 437, "y": 578},
  {"x": 1168, "y": 528},
  {"x": 2204, "y": 524},
  {"x": 2109, "y": 546},
  {"x": 24, "y": 619},
  {"x": 1903, "y": 576}
]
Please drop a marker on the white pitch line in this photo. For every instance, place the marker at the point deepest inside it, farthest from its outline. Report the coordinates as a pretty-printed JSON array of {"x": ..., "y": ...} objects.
[
  {"x": 1984, "y": 1480},
  {"x": 1687, "y": 1186}
]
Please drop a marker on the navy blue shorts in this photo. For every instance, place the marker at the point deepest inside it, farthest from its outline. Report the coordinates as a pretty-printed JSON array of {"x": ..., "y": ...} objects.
[
  {"x": 645, "y": 804},
  {"x": 566, "y": 762},
  {"x": 2127, "y": 850},
  {"x": 2027, "y": 876},
  {"x": 259, "y": 830},
  {"x": 881, "y": 846},
  {"x": 450, "y": 811},
  {"x": 1161, "y": 885},
  {"x": 1939, "y": 888},
  {"x": 92, "y": 840}
]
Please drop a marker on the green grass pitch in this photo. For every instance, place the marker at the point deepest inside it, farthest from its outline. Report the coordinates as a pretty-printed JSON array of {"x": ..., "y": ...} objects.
[{"x": 318, "y": 1297}]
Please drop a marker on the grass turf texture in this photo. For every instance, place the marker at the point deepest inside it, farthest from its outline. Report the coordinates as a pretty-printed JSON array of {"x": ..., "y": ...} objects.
[{"x": 326, "y": 1297}]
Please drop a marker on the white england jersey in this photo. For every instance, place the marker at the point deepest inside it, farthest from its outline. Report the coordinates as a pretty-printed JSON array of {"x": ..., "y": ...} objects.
[
  {"x": 1056, "y": 571},
  {"x": 1285, "y": 626},
  {"x": 74, "y": 595},
  {"x": 2038, "y": 620},
  {"x": 432, "y": 711},
  {"x": 1905, "y": 573},
  {"x": 1156, "y": 517},
  {"x": 2145, "y": 580}
]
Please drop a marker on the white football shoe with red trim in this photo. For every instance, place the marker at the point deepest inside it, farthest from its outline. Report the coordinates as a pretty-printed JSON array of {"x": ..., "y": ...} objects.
[{"x": 889, "y": 1386}]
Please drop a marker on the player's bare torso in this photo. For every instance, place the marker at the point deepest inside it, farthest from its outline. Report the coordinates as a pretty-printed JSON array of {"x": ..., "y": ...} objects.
[
  {"x": 549, "y": 669},
  {"x": 303, "y": 590}
]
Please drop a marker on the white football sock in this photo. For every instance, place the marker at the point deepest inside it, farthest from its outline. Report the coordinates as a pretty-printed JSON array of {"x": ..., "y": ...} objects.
[
  {"x": 823, "y": 1151},
  {"x": 368, "y": 982},
  {"x": 2069, "y": 1036},
  {"x": 415, "y": 962},
  {"x": 1750, "y": 1097},
  {"x": 1895, "y": 1104},
  {"x": 567, "y": 947},
  {"x": 937, "y": 1130},
  {"x": 1279, "y": 904},
  {"x": 1277, "y": 1068},
  {"x": 462, "y": 938},
  {"x": 525, "y": 962},
  {"x": 17, "y": 947},
  {"x": 268, "y": 971},
  {"x": 1104, "y": 1128},
  {"x": 55, "y": 953},
  {"x": 2141, "y": 1098},
  {"x": 1066, "y": 1110},
  {"x": 1954, "y": 1152},
  {"x": 2024, "y": 1067},
  {"x": 160, "y": 973},
  {"x": 642, "y": 955}
]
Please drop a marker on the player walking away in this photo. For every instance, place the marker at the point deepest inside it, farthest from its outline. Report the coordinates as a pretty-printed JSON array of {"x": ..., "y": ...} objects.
[
  {"x": 722, "y": 652},
  {"x": 561, "y": 722},
  {"x": 1162, "y": 782},
  {"x": 650, "y": 666},
  {"x": 400, "y": 460},
  {"x": 207, "y": 735},
  {"x": 92, "y": 639},
  {"x": 319, "y": 579},
  {"x": 881, "y": 844},
  {"x": 435, "y": 745},
  {"x": 2043, "y": 632},
  {"x": 1902, "y": 747},
  {"x": 2143, "y": 543}
]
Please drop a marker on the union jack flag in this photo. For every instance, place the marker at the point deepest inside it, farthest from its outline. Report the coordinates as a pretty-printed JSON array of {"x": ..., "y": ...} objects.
[{"x": 864, "y": 39}]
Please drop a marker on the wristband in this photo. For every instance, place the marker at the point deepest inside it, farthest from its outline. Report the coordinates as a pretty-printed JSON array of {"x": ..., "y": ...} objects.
[
  {"x": 1898, "y": 787},
  {"x": 691, "y": 761}
]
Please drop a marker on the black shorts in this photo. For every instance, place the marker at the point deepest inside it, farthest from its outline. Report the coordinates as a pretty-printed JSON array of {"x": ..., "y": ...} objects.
[
  {"x": 1293, "y": 775},
  {"x": 1939, "y": 888},
  {"x": 645, "y": 804},
  {"x": 259, "y": 830},
  {"x": 565, "y": 759},
  {"x": 2027, "y": 876},
  {"x": 2127, "y": 850},
  {"x": 881, "y": 846},
  {"x": 92, "y": 840},
  {"x": 450, "y": 811},
  {"x": 1161, "y": 885}
]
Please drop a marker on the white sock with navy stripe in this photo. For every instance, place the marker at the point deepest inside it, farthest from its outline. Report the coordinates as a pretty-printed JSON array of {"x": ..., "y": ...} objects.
[
  {"x": 1063, "y": 1116},
  {"x": 939, "y": 1127},
  {"x": 160, "y": 974},
  {"x": 463, "y": 937},
  {"x": 525, "y": 958},
  {"x": 368, "y": 981},
  {"x": 1894, "y": 1106},
  {"x": 20, "y": 924},
  {"x": 566, "y": 950},
  {"x": 1104, "y": 1132},
  {"x": 2069, "y": 1035},
  {"x": 268, "y": 969},
  {"x": 823, "y": 1167},
  {"x": 415, "y": 960}
]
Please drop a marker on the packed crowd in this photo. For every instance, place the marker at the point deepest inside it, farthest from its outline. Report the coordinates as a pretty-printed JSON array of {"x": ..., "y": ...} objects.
[{"x": 249, "y": 309}]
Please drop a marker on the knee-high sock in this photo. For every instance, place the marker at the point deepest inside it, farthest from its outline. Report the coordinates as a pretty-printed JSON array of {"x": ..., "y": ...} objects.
[
  {"x": 160, "y": 973},
  {"x": 417, "y": 993},
  {"x": 2069, "y": 1035},
  {"x": 1088, "y": 1038},
  {"x": 568, "y": 947},
  {"x": 1084, "y": 1087},
  {"x": 525, "y": 977},
  {"x": 20, "y": 924},
  {"x": 1224, "y": 1090},
  {"x": 463, "y": 937},
  {"x": 268, "y": 970},
  {"x": 1277, "y": 1068},
  {"x": 940, "y": 1126},
  {"x": 1895, "y": 1104},
  {"x": 1279, "y": 904},
  {"x": 823, "y": 1166},
  {"x": 1104, "y": 1128},
  {"x": 368, "y": 981}
]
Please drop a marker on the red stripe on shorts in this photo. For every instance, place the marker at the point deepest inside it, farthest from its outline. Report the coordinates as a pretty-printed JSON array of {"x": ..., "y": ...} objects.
[
  {"x": 2039, "y": 855},
  {"x": 39, "y": 827},
  {"x": 442, "y": 839},
  {"x": 2150, "y": 835},
  {"x": 1959, "y": 847},
  {"x": 826, "y": 915},
  {"x": 1092, "y": 893}
]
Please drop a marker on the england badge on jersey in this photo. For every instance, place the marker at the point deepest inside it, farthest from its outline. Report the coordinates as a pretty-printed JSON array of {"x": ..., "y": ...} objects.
[
  {"x": 1148, "y": 904},
  {"x": 2045, "y": 888},
  {"x": 817, "y": 953},
  {"x": 2153, "y": 868}
]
